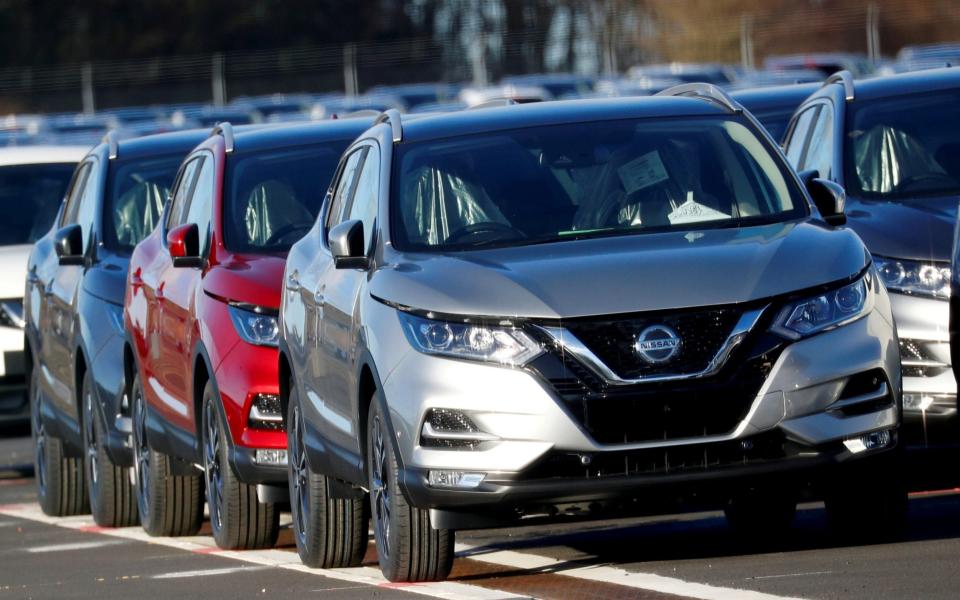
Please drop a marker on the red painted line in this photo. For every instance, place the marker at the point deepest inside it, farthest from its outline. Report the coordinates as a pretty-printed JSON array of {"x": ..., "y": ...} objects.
[
  {"x": 93, "y": 529},
  {"x": 213, "y": 550}
]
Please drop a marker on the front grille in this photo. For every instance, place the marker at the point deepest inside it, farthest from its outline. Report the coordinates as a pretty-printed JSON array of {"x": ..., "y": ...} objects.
[
  {"x": 702, "y": 334},
  {"x": 917, "y": 359},
  {"x": 765, "y": 447},
  {"x": 662, "y": 411}
]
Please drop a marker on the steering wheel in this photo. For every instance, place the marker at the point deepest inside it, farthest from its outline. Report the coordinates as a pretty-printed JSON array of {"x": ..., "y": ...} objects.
[
  {"x": 475, "y": 229},
  {"x": 909, "y": 181},
  {"x": 285, "y": 231}
]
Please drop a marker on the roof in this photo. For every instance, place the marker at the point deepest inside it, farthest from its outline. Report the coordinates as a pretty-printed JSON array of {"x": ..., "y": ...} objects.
[
  {"x": 254, "y": 138},
  {"x": 552, "y": 113},
  {"x": 161, "y": 143},
  {"x": 914, "y": 82},
  {"x": 26, "y": 155},
  {"x": 776, "y": 97}
]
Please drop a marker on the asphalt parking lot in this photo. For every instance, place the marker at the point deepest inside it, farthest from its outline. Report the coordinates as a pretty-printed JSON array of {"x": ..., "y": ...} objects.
[{"x": 673, "y": 556}]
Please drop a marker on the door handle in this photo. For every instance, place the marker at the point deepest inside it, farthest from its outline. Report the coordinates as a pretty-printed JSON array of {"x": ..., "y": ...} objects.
[
  {"x": 48, "y": 289},
  {"x": 136, "y": 281},
  {"x": 318, "y": 296},
  {"x": 293, "y": 283},
  {"x": 32, "y": 275}
]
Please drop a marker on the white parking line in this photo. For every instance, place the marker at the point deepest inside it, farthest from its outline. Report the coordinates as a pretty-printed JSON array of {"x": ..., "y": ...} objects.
[
  {"x": 268, "y": 558},
  {"x": 606, "y": 574},
  {"x": 71, "y": 547},
  {"x": 206, "y": 572}
]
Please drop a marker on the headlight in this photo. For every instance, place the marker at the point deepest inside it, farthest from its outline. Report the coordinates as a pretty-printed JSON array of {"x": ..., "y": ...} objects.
[
  {"x": 911, "y": 277},
  {"x": 827, "y": 311},
  {"x": 255, "y": 325},
  {"x": 491, "y": 343}
]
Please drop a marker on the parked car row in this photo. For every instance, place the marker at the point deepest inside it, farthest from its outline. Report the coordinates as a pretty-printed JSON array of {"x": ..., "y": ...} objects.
[
  {"x": 639, "y": 80},
  {"x": 422, "y": 324}
]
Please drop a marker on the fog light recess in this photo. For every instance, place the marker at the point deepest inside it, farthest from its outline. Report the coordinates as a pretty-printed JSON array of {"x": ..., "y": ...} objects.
[
  {"x": 266, "y": 412},
  {"x": 277, "y": 458},
  {"x": 451, "y": 429},
  {"x": 455, "y": 479},
  {"x": 869, "y": 441}
]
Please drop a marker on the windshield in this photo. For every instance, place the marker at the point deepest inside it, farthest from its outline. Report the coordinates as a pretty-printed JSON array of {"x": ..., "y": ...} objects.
[
  {"x": 137, "y": 190},
  {"x": 274, "y": 196},
  {"x": 904, "y": 146},
  {"x": 31, "y": 195},
  {"x": 548, "y": 183}
]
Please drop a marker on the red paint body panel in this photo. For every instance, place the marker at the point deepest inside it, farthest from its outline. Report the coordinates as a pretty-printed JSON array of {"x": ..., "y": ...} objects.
[{"x": 170, "y": 312}]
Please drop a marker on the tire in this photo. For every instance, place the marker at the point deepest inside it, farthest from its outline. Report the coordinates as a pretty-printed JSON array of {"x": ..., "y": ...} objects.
[
  {"x": 409, "y": 549},
  {"x": 762, "y": 514},
  {"x": 61, "y": 488},
  {"x": 113, "y": 501},
  {"x": 329, "y": 532},
  {"x": 869, "y": 504},
  {"x": 168, "y": 504},
  {"x": 238, "y": 519}
]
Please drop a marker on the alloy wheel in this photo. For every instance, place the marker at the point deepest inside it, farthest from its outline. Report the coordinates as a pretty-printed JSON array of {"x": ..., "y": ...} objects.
[
  {"x": 380, "y": 488},
  {"x": 141, "y": 464},
  {"x": 39, "y": 438},
  {"x": 90, "y": 438},
  {"x": 212, "y": 467},
  {"x": 300, "y": 474}
]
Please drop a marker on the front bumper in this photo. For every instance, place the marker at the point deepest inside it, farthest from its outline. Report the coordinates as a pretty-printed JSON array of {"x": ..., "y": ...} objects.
[
  {"x": 930, "y": 417},
  {"x": 531, "y": 426},
  {"x": 245, "y": 372}
]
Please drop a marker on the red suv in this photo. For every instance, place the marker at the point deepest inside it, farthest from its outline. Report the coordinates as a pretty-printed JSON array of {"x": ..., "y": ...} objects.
[{"x": 201, "y": 307}]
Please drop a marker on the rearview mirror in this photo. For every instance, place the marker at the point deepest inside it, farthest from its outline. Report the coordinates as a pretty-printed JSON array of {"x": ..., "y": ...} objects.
[
  {"x": 183, "y": 243},
  {"x": 347, "y": 245},
  {"x": 829, "y": 198},
  {"x": 68, "y": 242}
]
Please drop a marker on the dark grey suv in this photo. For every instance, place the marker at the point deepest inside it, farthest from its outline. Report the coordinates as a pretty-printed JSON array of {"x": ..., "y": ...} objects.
[{"x": 557, "y": 309}]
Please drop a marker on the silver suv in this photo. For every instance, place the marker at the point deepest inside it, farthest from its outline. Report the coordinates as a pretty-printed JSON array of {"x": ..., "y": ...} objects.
[{"x": 579, "y": 308}]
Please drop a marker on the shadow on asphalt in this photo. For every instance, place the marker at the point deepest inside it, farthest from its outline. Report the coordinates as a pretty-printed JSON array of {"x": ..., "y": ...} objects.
[{"x": 691, "y": 538}]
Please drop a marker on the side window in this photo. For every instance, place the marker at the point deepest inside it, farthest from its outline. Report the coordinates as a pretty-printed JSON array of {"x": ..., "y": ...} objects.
[
  {"x": 819, "y": 154},
  {"x": 364, "y": 204},
  {"x": 86, "y": 209},
  {"x": 798, "y": 137},
  {"x": 345, "y": 186},
  {"x": 182, "y": 192},
  {"x": 200, "y": 210},
  {"x": 74, "y": 193}
]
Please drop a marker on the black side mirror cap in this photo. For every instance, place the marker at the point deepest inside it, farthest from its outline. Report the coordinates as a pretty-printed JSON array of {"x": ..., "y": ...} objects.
[
  {"x": 829, "y": 198},
  {"x": 347, "y": 245},
  {"x": 68, "y": 242}
]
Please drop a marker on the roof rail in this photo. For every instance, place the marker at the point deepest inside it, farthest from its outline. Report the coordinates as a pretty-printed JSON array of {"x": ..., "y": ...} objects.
[
  {"x": 704, "y": 91},
  {"x": 846, "y": 79},
  {"x": 391, "y": 116},
  {"x": 113, "y": 145},
  {"x": 494, "y": 103},
  {"x": 226, "y": 130}
]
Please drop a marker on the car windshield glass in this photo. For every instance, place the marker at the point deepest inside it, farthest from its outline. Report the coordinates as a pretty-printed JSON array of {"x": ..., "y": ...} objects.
[
  {"x": 31, "y": 195},
  {"x": 274, "y": 196},
  {"x": 137, "y": 189},
  {"x": 547, "y": 183},
  {"x": 904, "y": 147}
]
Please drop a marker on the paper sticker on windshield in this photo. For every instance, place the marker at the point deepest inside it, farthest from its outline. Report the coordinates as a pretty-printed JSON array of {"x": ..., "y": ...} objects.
[
  {"x": 642, "y": 172},
  {"x": 692, "y": 211}
]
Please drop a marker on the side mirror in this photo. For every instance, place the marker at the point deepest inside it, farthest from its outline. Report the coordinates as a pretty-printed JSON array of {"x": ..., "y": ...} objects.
[
  {"x": 829, "y": 198},
  {"x": 68, "y": 242},
  {"x": 183, "y": 243},
  {"x": 347, "y": 245}
]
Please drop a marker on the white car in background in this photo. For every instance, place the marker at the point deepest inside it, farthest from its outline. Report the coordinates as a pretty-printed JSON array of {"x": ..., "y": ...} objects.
[{"x": 33, "y": 182}]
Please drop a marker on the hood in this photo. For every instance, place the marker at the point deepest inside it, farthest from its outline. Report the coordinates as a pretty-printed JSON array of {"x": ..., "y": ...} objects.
[
  {"x": 107, "y": 279},
  {"x": 625, "y": 274},
  {"x": 247, "y": 278},
  {"x": 13, "y": 270},
  {"x": 918, "y": 230}
]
